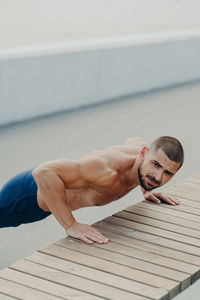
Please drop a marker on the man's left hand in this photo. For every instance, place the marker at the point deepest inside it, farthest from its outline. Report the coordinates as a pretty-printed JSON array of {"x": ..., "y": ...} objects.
[{"x": 159, "y": 197}]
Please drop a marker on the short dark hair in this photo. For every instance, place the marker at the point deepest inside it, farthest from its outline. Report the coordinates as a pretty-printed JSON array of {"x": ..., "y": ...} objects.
[{"x": 170, "y": 146}]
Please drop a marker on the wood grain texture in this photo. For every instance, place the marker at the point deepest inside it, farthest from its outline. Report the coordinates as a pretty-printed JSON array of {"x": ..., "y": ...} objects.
[
  {"x": 77, "y": 282},
  {"x": 153, "y": 254}
]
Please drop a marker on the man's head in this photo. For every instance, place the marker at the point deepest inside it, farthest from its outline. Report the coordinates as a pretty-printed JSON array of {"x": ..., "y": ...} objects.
[{"x": 159, "y": 162}]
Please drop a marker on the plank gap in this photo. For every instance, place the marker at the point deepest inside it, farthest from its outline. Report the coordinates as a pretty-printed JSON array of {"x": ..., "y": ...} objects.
[
  {"x": 145, "y": 220},
  {"x": 160, "y": 216}
]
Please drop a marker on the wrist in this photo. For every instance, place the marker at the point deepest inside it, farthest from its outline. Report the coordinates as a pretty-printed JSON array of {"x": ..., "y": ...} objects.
[
  {"x": 65, "y": 220},
  {"x": 70, "y": 224}
]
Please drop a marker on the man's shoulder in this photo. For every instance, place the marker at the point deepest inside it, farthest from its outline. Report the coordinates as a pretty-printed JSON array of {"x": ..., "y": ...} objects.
[{"x": 131, "y": 147}]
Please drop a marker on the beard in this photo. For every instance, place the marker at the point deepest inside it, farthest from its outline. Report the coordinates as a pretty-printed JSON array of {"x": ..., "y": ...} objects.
[{"x": 142, "y": 181}]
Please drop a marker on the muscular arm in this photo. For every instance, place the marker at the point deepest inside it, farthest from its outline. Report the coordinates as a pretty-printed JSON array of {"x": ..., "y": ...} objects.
[
  {"x": 54, "y": 177},
  {"x": 51, "y": 187}
]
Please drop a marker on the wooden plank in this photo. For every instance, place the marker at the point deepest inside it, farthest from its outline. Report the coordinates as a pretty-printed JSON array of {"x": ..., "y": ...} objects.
[
  {"x": 168, "y": 211},
  {"x": 113, "y": 268},
  {"x": 196, "y": 175},
  {"x": 98, "y": 276},
  {"x": 154, "y": 258},
  {"x": 105, "y": 253},
  {"x": 185, "y": 195},
  {"x": 185, "y": 202},
  {"x": 6, "y": 297},
  {"x": 158, "y": 224},
  {"x": 144, "y": 240},
  {"x": 187, "y": 189},
  {"x": 23, "y": 292},
  {"x": 153, "y": 254},
  {"x": 193, "y": 180},
  {"x": 187, "y": 244},
  {"x": 73, "y": 281},
  {"x": 117, "y": 237},
  {"x": 190, "y": 185},
  {"x": 159, "y": 215},
  {"x": 161, "y": 241},
  {"x": 143, "y": 216},
  {"x": 46, "y": 286},
  {"x": 191, "y": 212}
]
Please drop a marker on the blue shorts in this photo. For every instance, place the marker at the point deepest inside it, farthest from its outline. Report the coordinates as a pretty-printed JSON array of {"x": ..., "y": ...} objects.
[{"x": 18, "y": 201}]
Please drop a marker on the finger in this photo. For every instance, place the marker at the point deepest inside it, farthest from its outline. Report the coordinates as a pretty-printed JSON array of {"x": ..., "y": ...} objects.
[
  {"x": 96, "y": 238},
  {"x": 99, "y": 235},
  {"x": 85, "y": 239},
  {"x": 173, "y": 200},
  {"x": 154, "y": 199},
  {"x": 166, "y": 196},
  {"x": 167, "y": 199}
]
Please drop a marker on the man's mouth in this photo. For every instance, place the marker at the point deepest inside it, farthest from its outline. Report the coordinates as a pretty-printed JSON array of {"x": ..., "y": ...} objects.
[{"x": 151, "y": 181}]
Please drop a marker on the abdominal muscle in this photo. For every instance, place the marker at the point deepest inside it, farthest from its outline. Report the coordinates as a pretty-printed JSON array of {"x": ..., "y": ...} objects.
[
  {"x": 82, "y": 198},
  {"x": 75, "y": 199},
  {"x": 92, "y": 197}
]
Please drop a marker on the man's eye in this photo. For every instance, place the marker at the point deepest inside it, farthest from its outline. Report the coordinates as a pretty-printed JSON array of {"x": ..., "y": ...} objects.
[
  {"x": 156, "y": 164},
  {"x": 168, "y": 173}
]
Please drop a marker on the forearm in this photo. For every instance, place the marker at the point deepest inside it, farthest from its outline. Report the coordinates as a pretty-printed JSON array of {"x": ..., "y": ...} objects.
[{"x": 52, "y": 191}]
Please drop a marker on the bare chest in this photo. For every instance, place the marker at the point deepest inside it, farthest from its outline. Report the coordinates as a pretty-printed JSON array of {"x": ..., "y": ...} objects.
[{"x": 97, "y": 197}]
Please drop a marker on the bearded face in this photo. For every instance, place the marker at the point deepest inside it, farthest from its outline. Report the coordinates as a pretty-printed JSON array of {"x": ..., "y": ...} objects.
[
  {"x": 155, "y": 169},
  {"x": 147, "y": 182}
]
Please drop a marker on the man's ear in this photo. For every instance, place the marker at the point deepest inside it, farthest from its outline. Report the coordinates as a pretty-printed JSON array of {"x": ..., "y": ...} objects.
[{"x": 143, "y": 152}]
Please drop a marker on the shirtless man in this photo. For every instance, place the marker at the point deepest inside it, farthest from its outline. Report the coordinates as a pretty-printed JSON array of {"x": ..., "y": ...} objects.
[{"x": 102, "y": 176}]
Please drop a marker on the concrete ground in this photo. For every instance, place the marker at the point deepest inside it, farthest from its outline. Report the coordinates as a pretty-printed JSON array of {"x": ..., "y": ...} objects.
[
  {"x": 72, "y": 134},
  {"x": 30, "y": 22}
]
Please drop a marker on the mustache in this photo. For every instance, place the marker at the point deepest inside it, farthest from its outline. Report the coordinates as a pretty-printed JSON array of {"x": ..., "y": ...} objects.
[{"x": 153, "y": 179}]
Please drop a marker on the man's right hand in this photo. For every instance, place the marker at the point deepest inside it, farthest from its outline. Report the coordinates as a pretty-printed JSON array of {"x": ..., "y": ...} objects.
[{"x": 86, "y": 233}]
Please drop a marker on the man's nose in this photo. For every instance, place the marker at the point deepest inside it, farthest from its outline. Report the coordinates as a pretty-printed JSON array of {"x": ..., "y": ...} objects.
[{"x": 159, "y": 175}]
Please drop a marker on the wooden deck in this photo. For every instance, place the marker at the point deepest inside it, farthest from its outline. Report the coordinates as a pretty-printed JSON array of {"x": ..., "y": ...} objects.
[{"x": 153, "y": 253}]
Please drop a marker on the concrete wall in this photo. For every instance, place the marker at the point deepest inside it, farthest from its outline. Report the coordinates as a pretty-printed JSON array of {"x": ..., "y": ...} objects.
[{"x": 39, "y": 80}]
